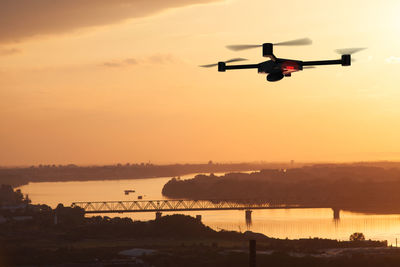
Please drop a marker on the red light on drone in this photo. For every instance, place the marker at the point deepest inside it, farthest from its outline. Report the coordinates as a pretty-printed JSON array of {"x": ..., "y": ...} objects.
[{"x": 290, "y": 66}]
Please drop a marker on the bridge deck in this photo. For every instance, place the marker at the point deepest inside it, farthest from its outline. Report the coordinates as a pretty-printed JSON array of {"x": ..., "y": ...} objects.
[{"x": 179, "y": 205}]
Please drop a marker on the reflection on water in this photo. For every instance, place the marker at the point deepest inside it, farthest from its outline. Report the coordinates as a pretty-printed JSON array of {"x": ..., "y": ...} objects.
[
  {"x": 289, "y": 223},
  {"x": 248, "y": 219}
]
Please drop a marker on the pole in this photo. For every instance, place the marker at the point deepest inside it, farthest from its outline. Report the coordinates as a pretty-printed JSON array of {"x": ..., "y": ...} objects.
[{"x": 252, "y": 253}]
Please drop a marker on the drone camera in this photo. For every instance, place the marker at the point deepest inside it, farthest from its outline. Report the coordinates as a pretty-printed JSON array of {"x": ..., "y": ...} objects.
[
  {"x": 346, "y": 60},
  {"x": 267, "y": 49},
  {"x": 221, "y": 66}
]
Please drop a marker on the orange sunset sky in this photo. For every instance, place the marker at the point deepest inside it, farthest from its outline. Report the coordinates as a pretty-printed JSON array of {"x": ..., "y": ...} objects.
[{"x": 107, "y": 81}]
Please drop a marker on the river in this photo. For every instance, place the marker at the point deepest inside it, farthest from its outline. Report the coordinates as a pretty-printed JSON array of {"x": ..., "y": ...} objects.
[{"x": 287, "y": 223}]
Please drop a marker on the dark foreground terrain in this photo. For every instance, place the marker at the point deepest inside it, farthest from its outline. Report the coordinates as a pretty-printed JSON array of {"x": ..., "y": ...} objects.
[
  {"x": 37, "y": 235},
  {"x": 175, "y": 240},
  {"x": 347, "y": 187}
]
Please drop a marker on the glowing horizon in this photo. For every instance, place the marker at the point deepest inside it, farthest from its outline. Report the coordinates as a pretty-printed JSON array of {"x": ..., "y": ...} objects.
[{"x": 122, "y": 84}]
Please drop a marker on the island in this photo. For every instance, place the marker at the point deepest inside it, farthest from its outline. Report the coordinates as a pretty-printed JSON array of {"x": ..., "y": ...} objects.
[{"x": 360, "y": 188}]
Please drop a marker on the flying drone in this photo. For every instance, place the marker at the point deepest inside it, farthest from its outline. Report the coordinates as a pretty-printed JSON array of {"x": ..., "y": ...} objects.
[{"x": 277, "y": 68}]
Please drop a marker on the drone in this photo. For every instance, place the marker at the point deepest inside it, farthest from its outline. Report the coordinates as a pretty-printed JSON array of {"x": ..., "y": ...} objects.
[{"x": 278, "y": 68}]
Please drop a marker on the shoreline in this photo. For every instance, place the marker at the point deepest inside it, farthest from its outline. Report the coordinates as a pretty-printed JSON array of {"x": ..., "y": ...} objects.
[{"x": 17, "y": 177}]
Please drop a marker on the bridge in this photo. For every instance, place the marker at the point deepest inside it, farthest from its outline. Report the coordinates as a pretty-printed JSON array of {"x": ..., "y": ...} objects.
[{"x": 160, "y": 206}]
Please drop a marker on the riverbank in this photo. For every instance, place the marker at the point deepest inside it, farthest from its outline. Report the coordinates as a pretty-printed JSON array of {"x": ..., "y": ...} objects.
[{"x": 51, "y": 173}]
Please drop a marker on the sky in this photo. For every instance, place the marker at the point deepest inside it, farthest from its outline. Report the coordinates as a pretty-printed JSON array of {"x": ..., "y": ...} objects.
[{"x": 103, "y": 82}]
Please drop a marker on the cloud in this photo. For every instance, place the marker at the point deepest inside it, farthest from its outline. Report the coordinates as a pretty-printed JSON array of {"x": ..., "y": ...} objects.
[
  {"x": 121, "y": 63},
  {"x": 131, "y": 61},
  {"x": 112, "y": 64},
  {"x": 9, "y": 51},
  {"x": 392, "y": 60},
  {"x": 161, "y": 58},
  {"x": 20, "y": 19},
  {"x": 153, "y": 59}
]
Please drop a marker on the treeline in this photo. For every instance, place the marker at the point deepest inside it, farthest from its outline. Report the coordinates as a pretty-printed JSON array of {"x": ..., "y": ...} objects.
[
  {"x": 53, "y": 173},
  {"x": 352, "y": 187},
  {"x": 9, "y": 197}
]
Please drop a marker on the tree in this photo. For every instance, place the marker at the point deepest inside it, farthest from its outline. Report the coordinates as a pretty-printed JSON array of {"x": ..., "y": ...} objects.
[
  {"x": 357, "y": 237},
  {"x": 70, "y": 216},
  {"x": 10, "y": 197}
]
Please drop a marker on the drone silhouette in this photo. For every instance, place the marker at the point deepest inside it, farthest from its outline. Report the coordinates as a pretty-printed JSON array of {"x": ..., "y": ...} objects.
[{"x": 277, "y": 68}]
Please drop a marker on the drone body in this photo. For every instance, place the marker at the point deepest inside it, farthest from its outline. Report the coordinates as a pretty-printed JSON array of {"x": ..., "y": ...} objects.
[{"x": 278, "y": 68}]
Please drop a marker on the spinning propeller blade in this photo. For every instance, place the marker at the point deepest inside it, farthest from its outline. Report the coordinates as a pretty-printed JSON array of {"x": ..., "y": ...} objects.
[
  {"x": 241, "y": 47},
  {"x": 235, "y": 60},
  {"x": 228, "y": 61},
  {"x": 302, "y": 41},
  {"x": 349, "y": 51}
]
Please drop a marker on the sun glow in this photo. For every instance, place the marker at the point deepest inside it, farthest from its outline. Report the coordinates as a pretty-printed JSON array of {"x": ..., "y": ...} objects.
[{"x": 133, "y": 91}]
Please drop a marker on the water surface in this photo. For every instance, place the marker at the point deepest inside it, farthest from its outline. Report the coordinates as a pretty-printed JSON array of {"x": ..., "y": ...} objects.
[{"x": 288, "y": 223}]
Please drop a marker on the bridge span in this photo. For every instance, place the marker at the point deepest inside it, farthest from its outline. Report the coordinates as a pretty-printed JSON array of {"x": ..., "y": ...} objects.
[
  {"x": 178, "y": 205},
  {"x": 168, "y": 205}
]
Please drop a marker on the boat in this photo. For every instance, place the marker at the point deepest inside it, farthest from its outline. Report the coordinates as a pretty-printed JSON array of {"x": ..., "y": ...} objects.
[{"x": 129, "y": 191}]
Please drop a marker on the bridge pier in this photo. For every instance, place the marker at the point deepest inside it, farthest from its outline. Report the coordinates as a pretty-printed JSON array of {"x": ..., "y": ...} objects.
[
  {"x": 336, "y": 213},
  {"x": 158, "y": 215},
  {"x": 248, "y": 217}
]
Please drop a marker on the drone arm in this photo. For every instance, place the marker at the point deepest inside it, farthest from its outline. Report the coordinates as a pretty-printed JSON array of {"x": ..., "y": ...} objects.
[
  {"x": 223, "y": 67},
  {"x": 238, "y": 67},
  {"x": 322, "y": 62},
  {"x": 345, "y": 61}
]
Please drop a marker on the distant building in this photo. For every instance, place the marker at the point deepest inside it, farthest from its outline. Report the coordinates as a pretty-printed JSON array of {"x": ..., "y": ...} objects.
[
  {"x": 15, "y": 218},
  {"x": 12, "y": 208}
]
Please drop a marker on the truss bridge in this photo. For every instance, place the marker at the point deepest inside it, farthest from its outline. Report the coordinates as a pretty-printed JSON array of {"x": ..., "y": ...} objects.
[{"x": 167, "y": 205}]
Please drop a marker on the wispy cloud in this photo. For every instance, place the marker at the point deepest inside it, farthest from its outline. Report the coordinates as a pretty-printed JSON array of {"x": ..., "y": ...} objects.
[
  {"x": 161, "y": 58},
  {"x": 153, "y": 59},
  {"x": 131, "y": 61},
  {"x": 9, "y": 51},
  {"x": 112, "y": 64},
  {"x": 121, "y": 63},
  {"x": 392, "y": 60},
  {"x": 20, "y": 19}
]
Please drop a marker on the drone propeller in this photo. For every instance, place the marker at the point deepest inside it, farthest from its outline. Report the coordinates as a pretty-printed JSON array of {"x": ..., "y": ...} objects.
[
  {"x": 349, "y": 51},
  {"x": 228, "y": 61},
  {"x": 302, "y": 41}
]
